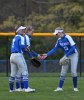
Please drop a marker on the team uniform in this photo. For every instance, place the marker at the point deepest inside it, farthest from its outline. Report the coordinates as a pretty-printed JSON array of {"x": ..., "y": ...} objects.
[
  {"x": 67, "y": 44},
  {"x": 17, "y": 61},
  {"x": 27, "y": 43},
  {"x": 32, "y": 53},
  {"x": 27, "y": 39},
  {"x": 19, "y": 81}
]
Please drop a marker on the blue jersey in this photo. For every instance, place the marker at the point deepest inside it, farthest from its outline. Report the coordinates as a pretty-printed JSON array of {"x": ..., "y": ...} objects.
[
  {"x": 66, "y": 43},
  {"x": 18, "y": 44}
]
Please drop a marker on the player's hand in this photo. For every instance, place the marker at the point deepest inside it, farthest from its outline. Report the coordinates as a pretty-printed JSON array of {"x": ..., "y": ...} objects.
[
  {"x": 27, "y": 48},
  {"x": 39, "y": 56},
  {"x": 43, "y": 56},
  {"x": 64, "y": 61}
]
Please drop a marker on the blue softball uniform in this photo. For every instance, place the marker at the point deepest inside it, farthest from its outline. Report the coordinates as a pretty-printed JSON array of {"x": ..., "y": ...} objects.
[
  {"x": 18, "y": 44},
  {"x": 66, "y": 43},
  {"x": 18, "y": 63},
  {"x": 32, "y": 53}
]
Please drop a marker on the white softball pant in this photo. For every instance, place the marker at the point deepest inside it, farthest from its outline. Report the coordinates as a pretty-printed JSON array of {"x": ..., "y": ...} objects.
[
  {"x": 18, "y": 64},
  {"x": 74, "y": 61}
]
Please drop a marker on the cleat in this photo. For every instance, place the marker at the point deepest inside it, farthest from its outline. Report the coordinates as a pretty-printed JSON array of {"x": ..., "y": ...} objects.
[
  {"x": 58, "y": 89},
  {"x": 11, "y": 90},
  {"x": 76, "y": 89},
  {"x": 19, "y": 90},
  {"x": 22, "y": 90},
  {"x": 29, "y": 90}
]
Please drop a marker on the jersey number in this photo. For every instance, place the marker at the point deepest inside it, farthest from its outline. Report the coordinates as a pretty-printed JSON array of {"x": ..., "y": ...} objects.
[
  {"x": 13, "y": 43},
  {"x": 65, "y": 48}
]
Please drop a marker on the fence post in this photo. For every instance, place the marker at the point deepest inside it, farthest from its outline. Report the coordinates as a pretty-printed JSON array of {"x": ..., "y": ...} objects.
[
  {"x": 7, "y": 41},
  {"x": 44, "y": 66},
  {"x": 80, "y": 56}
]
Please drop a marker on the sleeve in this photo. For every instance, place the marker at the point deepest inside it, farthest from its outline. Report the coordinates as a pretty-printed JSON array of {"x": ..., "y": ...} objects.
[
  {"x": 22, "y": 43},
  {"x": 35, "y": 54},
  {"x": 31, "y": 53},
  {"x": 54, "y": 49},
  {"x": 27, "y": 40},
  {"x": 70, "y": 40},
  {"x": 71, "y": 51},
  {"x": 72, "y": 44}
]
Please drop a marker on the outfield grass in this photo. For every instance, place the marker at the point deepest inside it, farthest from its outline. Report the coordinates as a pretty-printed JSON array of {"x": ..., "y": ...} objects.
[{"x": 44, "y": 85}]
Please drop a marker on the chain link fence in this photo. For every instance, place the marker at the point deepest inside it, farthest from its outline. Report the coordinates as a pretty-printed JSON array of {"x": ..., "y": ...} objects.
[{"x": 51, "y": 64}]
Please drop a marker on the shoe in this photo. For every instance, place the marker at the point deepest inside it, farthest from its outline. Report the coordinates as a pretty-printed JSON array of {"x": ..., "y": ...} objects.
[
  {"x": 58, "y": 89},
  {"x": 29, "y": 90},
  {"x": 22, "y": 90},
  {"x": 76, "y": 89},
  {"x": 11, "y": 90},
  {"x": 19, "y": 90}
]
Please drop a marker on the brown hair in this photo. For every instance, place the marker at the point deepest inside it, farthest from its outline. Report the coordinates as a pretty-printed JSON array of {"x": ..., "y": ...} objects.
[
  {"x": 16, "y": 27},
  {"x": 28, "y": 28},
  {"x": 59, "y": 28}
]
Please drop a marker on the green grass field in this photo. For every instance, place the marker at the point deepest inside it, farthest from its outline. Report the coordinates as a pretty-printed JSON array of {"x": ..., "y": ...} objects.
[{"x": 44, "y": 83}]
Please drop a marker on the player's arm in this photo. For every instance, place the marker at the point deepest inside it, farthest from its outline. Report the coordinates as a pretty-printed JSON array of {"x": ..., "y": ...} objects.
[
  {"x": 27, "y": 43},
  {"x": 71, "y": 51},
  {"x": 35, "y": 54},
  {"x": 43, "y": 56},
  {"x": 52, "y": 51},
  {"x": 21, "y": 43},
  {"x": 73, "y": 47},
  {"x": 31, "y": 53},
  {"x": 27, "y": 40}
]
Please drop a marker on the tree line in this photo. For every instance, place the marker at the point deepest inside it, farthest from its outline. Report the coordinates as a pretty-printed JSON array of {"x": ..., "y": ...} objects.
[{"x": 45, "y": 17}]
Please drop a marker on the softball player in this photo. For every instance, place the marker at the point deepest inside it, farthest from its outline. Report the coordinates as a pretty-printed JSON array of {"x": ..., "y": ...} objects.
[
  {"x": 66, "y": 43},
  {"x": 19, "y": 82},
  {"x": 17, "y": 60}
]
